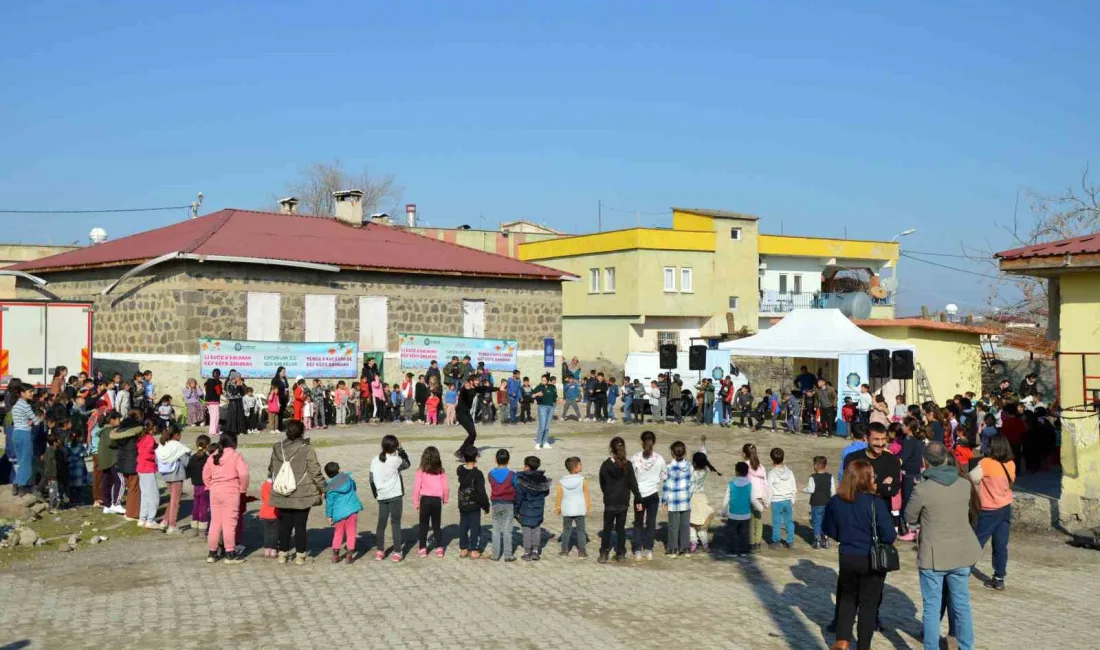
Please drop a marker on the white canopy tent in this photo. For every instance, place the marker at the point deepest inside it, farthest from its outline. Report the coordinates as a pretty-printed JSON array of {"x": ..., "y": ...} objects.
[{"x": 813, "y": 334}]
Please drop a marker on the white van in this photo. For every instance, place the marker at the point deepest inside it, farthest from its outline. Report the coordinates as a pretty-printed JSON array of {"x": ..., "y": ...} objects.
[{"x": 645, "y": 366}]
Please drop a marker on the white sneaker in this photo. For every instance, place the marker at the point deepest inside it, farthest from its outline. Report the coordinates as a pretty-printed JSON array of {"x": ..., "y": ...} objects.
[
  {"x": 547, "y": 446},
  {"x": 538, "y": 446},
  {"x": 108, "y": 511},
  {"x": 118, "y": 510}
]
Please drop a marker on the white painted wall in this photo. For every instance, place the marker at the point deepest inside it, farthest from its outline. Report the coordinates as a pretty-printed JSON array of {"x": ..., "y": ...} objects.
[
  {"x": 643, "y": 338},
  {"x": 809, "y": 268}
]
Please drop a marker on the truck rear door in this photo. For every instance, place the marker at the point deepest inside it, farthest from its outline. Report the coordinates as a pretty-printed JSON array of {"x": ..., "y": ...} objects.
[
  {"x": 68, "y": 334},
  {"x": 23, "y": 342}
]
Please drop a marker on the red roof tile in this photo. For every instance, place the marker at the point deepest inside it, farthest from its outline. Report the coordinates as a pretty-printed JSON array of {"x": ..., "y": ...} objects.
[
  {"x": 1072, "y": 246},
  {"x": 297, "y": 238}
]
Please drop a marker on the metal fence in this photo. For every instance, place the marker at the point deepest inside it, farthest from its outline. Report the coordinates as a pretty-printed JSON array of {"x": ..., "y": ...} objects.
[{"x": 773, "y": 302}]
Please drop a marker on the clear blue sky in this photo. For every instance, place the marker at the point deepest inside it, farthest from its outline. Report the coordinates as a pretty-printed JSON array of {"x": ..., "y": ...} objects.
[{"x": 817, "y": 116}]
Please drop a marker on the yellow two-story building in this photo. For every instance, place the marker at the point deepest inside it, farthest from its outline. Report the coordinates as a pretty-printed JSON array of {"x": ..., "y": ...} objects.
[{"x": 712, "y": 274}]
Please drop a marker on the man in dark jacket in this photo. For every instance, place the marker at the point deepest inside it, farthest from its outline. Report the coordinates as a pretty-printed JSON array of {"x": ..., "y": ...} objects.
[{"x": 826, "y": 401}]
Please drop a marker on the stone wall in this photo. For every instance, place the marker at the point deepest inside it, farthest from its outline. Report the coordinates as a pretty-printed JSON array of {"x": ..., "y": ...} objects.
[
  {"x": 775, "y": 373},
  {"x": 1015, "y": 370},
  {"x": 166, "y": 310}
]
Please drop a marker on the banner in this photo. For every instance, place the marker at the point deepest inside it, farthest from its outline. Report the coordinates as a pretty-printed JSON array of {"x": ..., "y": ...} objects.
[
  {"x": 851, "y": 373},
  {"x": 548, "y": 353},
  {"x": 419, "y": 350},
  {"x": 259, "y": 359}
]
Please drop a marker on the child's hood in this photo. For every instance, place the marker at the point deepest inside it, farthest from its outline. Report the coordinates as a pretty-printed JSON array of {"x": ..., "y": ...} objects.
[
  {"x": 533, "y": 480},
  {"x": 171, "y": 451},
  {"x": 645, "y": 464},
  {"x": 499, "y": 474},
  {"x": 572, "y": 481},
  {"x": 741, "y": 481},
  {"x": 342, "y": 483},
  {"x": 783, "y": 473}
]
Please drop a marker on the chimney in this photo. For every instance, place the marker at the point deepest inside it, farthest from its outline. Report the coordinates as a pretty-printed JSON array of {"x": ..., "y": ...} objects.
[
  {"x": 410, "y": 214},
  {"x": 289, "y": 205},
  {"x": 349, "y": 206}
]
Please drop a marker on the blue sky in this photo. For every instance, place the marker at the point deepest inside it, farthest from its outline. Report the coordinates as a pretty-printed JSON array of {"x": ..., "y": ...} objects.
[{"x": 821, "y": 117}]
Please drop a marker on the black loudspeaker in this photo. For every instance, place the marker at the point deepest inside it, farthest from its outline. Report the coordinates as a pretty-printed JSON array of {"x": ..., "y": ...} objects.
[
  {"x": 878, "y": 364},
  {"x": 697, "y": 357},
  {"x": 667, "y": 352},
  {"x": 901, "y": 364}
]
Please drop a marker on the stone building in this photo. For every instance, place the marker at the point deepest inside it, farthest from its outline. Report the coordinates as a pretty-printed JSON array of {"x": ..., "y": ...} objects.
[{"x": 240, "y": 274}]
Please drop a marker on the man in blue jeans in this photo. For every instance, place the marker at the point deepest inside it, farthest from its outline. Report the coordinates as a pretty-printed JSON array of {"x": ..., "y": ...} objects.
[
  {"x": 546, "y": 396},
  {"x": 940, "y": 505}
]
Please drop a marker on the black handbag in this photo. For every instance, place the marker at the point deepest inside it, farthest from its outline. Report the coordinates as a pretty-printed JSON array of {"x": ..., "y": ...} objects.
[{"x": 884, "y": 557}]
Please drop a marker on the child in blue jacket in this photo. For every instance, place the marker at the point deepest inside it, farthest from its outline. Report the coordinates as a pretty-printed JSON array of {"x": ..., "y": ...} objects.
[
  {"x": 532, "y": 486},
  {"x": 342, "y": 508}
]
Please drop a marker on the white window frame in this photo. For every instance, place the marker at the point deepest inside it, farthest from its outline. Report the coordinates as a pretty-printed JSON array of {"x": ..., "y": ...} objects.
[
  {"x": 735, "y": 303},
  {"x": 670, "y": 279},
  {"x": 609, "y": 279},
  {"x": 473, "y": 319},
  {"x": 261, "y": 323},
  {"x": 374, "y": 323},
  {"x": 320, "y": 315},
  {"x": 687, "y": 280},
  {"x": 593, "y": 280},
  {"x": 736, "y": 234}
]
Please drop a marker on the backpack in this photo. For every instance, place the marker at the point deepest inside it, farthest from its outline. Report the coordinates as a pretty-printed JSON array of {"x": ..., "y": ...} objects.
[
  {"x": 284, "y": 484},
  {"x": 467, "y": 500}
]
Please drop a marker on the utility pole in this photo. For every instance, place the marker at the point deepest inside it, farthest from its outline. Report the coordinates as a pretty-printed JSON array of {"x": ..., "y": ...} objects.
[{"x": 599, "y": 215}]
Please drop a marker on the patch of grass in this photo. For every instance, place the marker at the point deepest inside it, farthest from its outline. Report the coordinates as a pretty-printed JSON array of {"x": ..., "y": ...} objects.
[{"x": 57, "y": 532}]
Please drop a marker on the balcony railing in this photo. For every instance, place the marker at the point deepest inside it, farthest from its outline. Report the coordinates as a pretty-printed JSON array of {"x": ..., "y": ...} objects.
[{"x": 773, "y": 302}]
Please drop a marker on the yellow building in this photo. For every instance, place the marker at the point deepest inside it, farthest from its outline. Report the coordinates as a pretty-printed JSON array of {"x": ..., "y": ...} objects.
[
  {"x": 948, "y": 354},
  {"x": 1072, "y": 270},
  {"x": 706, "y": 277}
]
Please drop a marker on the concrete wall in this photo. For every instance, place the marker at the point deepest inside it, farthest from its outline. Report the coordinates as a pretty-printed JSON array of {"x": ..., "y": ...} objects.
[
  {"x": 592, "y": 338},
  {"x": 15, "y": 253},
  {"x": 1079, "y": 331},
  {"x": 153, "y": 320}
]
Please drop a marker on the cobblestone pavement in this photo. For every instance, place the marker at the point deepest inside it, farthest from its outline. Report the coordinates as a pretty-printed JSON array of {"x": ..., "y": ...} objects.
[{"x": 156, "y": 590}]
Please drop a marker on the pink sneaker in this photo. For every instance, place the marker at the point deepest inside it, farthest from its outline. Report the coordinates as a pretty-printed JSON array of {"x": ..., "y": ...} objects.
[
  {"x": 380, "y": 555},
  {"x": 396, "y": 556},
  {"x": 422, "y": 553},
  {"x": 439, "y": 552},
  {"x": 908, "y": 537},
  {"x": 693, "y": 547}
]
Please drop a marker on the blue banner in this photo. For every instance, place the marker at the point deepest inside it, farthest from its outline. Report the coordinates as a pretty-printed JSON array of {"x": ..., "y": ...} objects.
[
  {"x": 851, "y": 373},
  {"x": 548, "y": 353}
]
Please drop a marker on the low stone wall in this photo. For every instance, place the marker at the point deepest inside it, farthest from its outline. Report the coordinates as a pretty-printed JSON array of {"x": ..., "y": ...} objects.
[{"x": 766, "y": 372}]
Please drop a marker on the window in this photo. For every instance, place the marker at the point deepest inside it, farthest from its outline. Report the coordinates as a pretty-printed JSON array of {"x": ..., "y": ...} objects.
[
  {"x": 264, "y": 316},
  {"x": 685, "y": 280},
  {"x": 798, "y": 284},
  {"x": 609, "y": 280},
  {"x": 668, "y": 338},
  {"x": 473, "y": 319},
  {"x": 735, "y": 302},
  {"x": 670, "y": 278},
  {"x": 782, "y": 283},
  {"x": 320, "y": 318},
  {"x": 593, "y": 280},
  {"x": 735, "y": 234},
  {"x": 374, "y": 322}
]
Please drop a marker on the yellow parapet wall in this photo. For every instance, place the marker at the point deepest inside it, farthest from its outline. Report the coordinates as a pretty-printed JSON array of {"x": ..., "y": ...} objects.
[
  {"x": 827, "y": 248},
  {"x": 619, "y": 240}
]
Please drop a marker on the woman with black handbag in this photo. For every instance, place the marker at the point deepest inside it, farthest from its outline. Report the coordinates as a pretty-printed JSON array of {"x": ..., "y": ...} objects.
[{"x": 861, "y": 524}]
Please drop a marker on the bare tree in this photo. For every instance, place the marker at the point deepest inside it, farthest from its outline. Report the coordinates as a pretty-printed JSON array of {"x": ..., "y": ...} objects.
[
  {"x": 318, "y": 181},
  {"x": 1073, "y": 212}
]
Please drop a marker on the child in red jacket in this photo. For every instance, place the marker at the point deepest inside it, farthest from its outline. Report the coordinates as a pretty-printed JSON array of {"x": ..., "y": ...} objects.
[
  {"x": 269, "y": 516},
  {"x": 147, "y": 477}
]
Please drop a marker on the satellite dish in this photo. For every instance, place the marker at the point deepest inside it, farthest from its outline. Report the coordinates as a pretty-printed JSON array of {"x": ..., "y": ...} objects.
[
  {"x": 97, "y": 235},
  {"x": 890, "y": 284}
]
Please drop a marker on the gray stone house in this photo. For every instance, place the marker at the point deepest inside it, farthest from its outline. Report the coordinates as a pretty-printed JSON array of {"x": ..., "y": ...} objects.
[{"x": 241, "y": 274}]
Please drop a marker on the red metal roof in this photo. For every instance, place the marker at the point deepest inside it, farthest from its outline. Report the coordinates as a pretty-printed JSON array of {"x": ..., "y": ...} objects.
[
  {"x": 297, "y": 238},
  {"x": 1072, "y": 246}
]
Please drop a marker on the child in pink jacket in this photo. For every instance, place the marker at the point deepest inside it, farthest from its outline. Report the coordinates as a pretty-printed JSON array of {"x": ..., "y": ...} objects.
[
  {"x": 226, "y": 478},
  {"x": 430, "y": 493},
  {"x": 759, "y": 478},
  {"x": 147, "y": 478}
]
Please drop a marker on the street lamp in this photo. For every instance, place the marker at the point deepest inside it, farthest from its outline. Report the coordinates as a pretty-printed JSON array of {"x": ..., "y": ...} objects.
[{"x": 903, "y": 233}]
